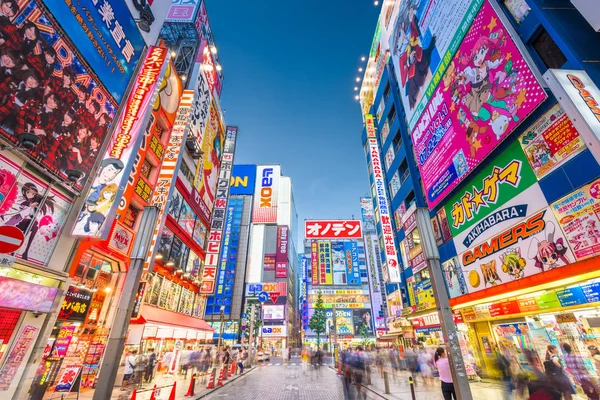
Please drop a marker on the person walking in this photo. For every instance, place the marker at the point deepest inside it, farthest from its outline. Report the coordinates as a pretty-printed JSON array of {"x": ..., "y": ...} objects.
[
  {"x": 240, "y": 360},
  {"x": 149, "y": 374},
  {"x": 130, "y": 364},
  {"x": 577, "y": 368},
  {"x": 443, "y": 366},
  {"x": 556, "y": 373}
]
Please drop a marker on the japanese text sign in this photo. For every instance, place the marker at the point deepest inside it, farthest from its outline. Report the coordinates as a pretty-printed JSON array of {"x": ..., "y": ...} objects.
[
  {"x": 24, "y": 295},
  {"x": 183, "y": 10},
  {"x": 314, "y": 262},
  {"x": 471, "y": 112},
  {"x": 76, "y": 304},
  {"x": 370, "y": 126},
  {"x": 17, "y": 356},
  {"x": 332, "y": 229}
]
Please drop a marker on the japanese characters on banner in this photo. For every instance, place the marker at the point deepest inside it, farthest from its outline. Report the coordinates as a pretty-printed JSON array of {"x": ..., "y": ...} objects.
[
  {"x": 201, "y": 108},
  {"x": 325, "y": 265},
  {"x": 504, "y": 192},
  {"x": 426, "y": 34},
  {"x": 470, "y": 113},
  {"x": 551, "y": 141},
  {"x": 17, "y": 355},
  {"x": 390, "y": 266},
  {"x": 522, "y": 250},
  {"x": 579, "y": 216},
  {"x": 22, "y": 295},
  {"x": 68, "y": 378},
  {"x": 76, "y": 304},
  {"x": 183, "y": 10},
  {"x": 314, "y": 252},
  {"x": 225, "y": 250},
  {"x": 269, "y": 261},
  {"x": 208, "y": 274},
  {"x": 266, "y": 194},
  {"x": 164, "y": 184},
  {"x": 98, "y": 212},
  {"x": 332, "y": 229},
  {"x": 282, "y": 251},
  {"x": 368, "y": 215},
  {"x": 352, "y": 267}
]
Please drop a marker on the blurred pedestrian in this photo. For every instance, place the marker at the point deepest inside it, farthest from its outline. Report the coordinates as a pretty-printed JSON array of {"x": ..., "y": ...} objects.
[
  {"x": 411, "y": 363},
  {"x": 240, "y": 361},
  {"x": 149, "y": 373},
  {"x": 580, "y": 373},
  {"x": 443, "y": 366},
  {"x": 359, "y": 371},
  {"x": 425, "y": 361},
  {"x": 556, "y": 373}
]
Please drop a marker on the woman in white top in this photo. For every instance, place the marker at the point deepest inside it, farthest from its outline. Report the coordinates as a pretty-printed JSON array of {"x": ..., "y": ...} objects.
[{"x": 443, "y": 366}]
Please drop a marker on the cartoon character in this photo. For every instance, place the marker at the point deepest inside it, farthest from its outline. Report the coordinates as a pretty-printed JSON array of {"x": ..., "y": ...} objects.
[
  {"x": 48, "y": 228},
  {"x": 107, "y": 197},
  {"x": 490, "y": 275},
  {"x": 548, "y": 252},
  {"x": 513, "y": 264},
  {"x": 592, "y": 232},
  {"x": 461, "y": 164},
  {"x": 539, "y": 153},
  {"x": 499, "y": 123},
  {"x": 579, "y": 241}
]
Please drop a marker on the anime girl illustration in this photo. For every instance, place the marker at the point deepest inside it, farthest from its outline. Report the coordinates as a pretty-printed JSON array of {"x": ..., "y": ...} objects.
[
  {"x": 539, "y": 154},
  {"x": 579, "y": 241},
  {"x": 513, "y": 264},
  {"x": 592, "y": 231},
  {"x": 413, "y": 59},
  {"x": 94, "y": 223},
  {"x": 549, "y": 252},
  {"x": 490, "y": 274},
  {"x": 460, "y": 163},
  {"x": 107, "y": 197}
]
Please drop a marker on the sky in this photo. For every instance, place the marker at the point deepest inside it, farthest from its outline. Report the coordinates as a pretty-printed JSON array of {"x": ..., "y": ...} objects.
[{"x": 290, "y": 70}]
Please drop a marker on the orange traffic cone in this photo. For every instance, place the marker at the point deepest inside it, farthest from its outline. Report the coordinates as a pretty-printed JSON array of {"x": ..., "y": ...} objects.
[
  {"x": 133, "y": 395},
  {"x": 221, "y": 375},
  {"x": 232, "y": 369},
  {"x": 173, "y": 391},
  {"x": 153, "y": 395},
  {"x": 190, "y": 391},
  {"x": 339, "y": 368},
  {"x": 226, "y": 370},
  {"x": 211, "y": 379}
]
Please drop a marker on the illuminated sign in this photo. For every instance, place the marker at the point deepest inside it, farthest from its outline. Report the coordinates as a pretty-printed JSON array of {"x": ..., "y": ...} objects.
[
  {"x": 274, "y": 330},
  {"x": 243, "y": 180},
  {"x": 332, "y": 229},
  {"x": 254, "y": 289},
  {"x": 266, "y": 194},
  {"x": 370, "y": 125}
]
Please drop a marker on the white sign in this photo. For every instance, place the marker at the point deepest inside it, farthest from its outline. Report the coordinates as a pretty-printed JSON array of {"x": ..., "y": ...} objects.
[
  {"x": 273, "y": 312},
  {"x": 274, "y": 330},
  {"x": 6, "y": 260},
  {"x": 266, "y": 193}
]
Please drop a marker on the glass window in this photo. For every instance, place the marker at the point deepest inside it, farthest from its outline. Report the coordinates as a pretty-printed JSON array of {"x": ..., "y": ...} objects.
[
  {"x": 518, "y": 8},
  {"x": 175, "y": 204},
  {"x": 548, "y": 50},
  {"x": 165, "y": 242},
  {"x": 392, "y": 115},
  {"x": 187, "y": 218}
]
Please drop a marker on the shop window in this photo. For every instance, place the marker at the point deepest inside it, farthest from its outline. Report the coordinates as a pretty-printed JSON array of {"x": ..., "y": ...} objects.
[
  {"x": 94, "y": 271},
  {"x": 548, "y": 51}
]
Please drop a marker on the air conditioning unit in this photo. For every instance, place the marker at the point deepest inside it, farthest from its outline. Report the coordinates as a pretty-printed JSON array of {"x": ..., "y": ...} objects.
[{"x": 590, "y": 11}]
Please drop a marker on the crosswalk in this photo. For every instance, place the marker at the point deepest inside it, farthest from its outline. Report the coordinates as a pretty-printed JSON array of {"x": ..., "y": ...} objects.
[{"x": 283, "y": 364}]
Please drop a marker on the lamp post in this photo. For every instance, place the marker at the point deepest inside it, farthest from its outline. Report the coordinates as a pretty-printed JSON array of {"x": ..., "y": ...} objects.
[{"x": 221, "y": 318}]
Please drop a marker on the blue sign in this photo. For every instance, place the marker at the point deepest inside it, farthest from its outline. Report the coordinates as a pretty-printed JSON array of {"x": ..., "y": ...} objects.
[
  {"x": 352, "y": 263},
  {"x": 243, "y": 179},
  {"x": 107, "y": 38},
  {"x": 263, "y": 296},
  {"x": 591, "y": 292},
  {"x": 571, "y": 296}
]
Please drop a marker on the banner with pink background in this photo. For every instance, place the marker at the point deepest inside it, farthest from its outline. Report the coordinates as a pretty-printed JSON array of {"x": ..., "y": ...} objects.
[{"x": 486, "y": 92}]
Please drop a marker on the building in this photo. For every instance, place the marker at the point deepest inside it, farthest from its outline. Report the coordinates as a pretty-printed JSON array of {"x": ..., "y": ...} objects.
[{"x": 449, "y": 152}]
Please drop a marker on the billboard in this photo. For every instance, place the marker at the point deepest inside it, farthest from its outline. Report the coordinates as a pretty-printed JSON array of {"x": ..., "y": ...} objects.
[
  {"x": 531, "y": 246},
  {"x": 243, "y": 180},
  {"x": 368, "y": 215},
  {"x": 266, "y": 194},
  {"x": 98, "y": 212},
  {"x": 425, "y": 35},
  {"x": 314, "y": 253},
  {"x": 332, "y": 229},
  {"x": 505, "y": 191},
  {"x": 578, "y": 216},
  {"x": 390, "y": 265},
  {"x": 272, "y": 312},
  {"x": 353, "y": 269},
  {"x": 551, "y": 141},
  {"x": 363, "y": 320},
  {"x": 217, "y": 223},
  {"x": 49, "y": 90},
  {"x": 282, "y": 252},
  {"x": 325, "y": 265},
  {"x": 158, "y": 10},
  {"x": 105, "y": 34},
  {"x": 471, "y": 112},
  {"x": 339, "y": 267},
  {"x": 203, "y": 26},
  {"x": 201, "y": 108},
  {"x": 254, "y": 289},
  {"x": 454, "y": 279},
  {"x": 182, "y": 10},
  {"x": 274, "y": 330}
]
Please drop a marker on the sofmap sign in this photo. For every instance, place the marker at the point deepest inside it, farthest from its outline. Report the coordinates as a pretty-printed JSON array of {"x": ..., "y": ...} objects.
[
  {"x": 503, "y": 193},
  {"x": 332, "y": 229},
  {"x": 243, "y": 180},
  {"x": 465, "y": 120},
  {"x": 266, "y": 194}
]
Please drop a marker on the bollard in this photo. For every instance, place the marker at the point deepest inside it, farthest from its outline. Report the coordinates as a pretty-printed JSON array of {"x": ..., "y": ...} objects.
[
  {"x": 412, "y": 387},
  {"x": 190, "y": 391},
  {"x": 386, "y": 382}
]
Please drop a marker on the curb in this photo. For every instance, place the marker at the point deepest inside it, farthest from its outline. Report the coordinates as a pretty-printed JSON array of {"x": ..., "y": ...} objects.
[
  {"x": 227, "y": 382},
  {"x": 364, "y": 386}
]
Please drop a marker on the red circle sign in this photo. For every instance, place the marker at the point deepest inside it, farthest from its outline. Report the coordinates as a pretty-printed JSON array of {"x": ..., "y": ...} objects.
[{"x": 11, "y": 238}]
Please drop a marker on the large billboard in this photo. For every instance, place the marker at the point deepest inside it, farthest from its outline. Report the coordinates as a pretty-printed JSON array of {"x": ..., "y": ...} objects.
[
  {"x": 332, "y": 229},
  {"x": 266, "y": 194},
  {"x": 325, "y": 263},
  {"x": 426, "y": 34},
  {"x": 487, "y": 90},
  {"x": 102, "y": 199},
  {"x": 352, "y": 267},
  {"x": 368, "y": 215},
  {"x": 182, "y": 10},
  {"x": 243, "y": 180},
  {"x": 282, "y": 251}
]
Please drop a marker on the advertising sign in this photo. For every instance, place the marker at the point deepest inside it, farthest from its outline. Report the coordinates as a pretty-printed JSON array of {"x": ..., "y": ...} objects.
[
  {"x": 325, "y": 265},
  {"x": 332, "y": 229},
  {"x": 208, "y": 275},
  {"x": 271, "y": 312},
  {"x": 390, "y": 267},
  {"x": 225, "y": 250},
  {"x": 344, "y": 321},
  {"x": 454, "y": 279},
  {"x": 243, "y": 180},
  {"x": 269, "y": 262},
  {"x": 254, "y": 289},
  {"x": 534, "y": 245},
  {"x": 97, "y": 215},
  {"x": 471, "y": 112},
  {"x": 425, "y": 36},
  {"x": 503, "y": 192},
  {"x": 363, "y": 322},
  {"x": 203, "y": 26},
  {"x": 76, "y": 304},
  {"x": 183, "y": 10},
  {"x": 68, "y": 378},
  {"x": 578, "y": 215},
  {"x": 201, "y": 108},
  {"x": 17, "y": 356},
  {"x": 353, "y": 269},
  {"x": 551, "y": 141},
  {"x": 370, "y": 126},
  {"x": 23, "y": 295},
  {"x": 368, "y": 215},
  {"x": 338, "y": 258},
  {"x": 121, "y": 239},
  {"x": 266, "y": 194},
  {"x": 274, "y": 330},
  {"x": 282, "y": 243},
  {"x": 314, "y": 252},
  {"x": 61, "y": 344},
  {"x": 164, "y": 187}
]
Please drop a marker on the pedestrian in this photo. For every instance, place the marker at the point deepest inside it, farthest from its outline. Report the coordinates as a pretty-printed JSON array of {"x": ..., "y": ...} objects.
[
  {"x": 443, "y": 366},
  {"x": 149, "y": 375},
  {"x": 240, "y": 361},
  {"x": 425, "y": 360},
  {"x": 289, "y": 354},
  {"x": 580, "y": 373},
  {"x": 260, "y": 356},
  {"x": 130, "y": 364},
  {"x": 226, "y": 357},
  {"x": 556, "y": 373},
  {"x": 412, "y": 363},
  {"x": 359, "y": 371}
]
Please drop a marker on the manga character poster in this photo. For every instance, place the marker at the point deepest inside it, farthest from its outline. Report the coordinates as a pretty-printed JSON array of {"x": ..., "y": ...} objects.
[
  {"x": 485, "y": 93},
  {"x": 46, "y": 89},
  {"x": 425, "y": 35}
]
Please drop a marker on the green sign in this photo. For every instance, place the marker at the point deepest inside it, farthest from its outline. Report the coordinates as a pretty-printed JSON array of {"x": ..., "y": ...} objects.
[
  {"x": 547, "y": 301},
  {"x": 503, "y": 179}
]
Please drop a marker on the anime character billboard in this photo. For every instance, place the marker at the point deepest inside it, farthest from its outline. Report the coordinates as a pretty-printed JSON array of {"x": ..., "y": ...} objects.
[
  {"x": 425, "y": 34},
  {"x": 486, "y": 92},
  {"x": 46, "y": 89}
]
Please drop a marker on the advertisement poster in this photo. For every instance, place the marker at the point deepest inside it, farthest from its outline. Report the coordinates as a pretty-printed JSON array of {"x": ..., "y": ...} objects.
[
  {"x": 266, "y": 194},
  {"x": 504, "y": 192},
  {"x": 61, "y": 344},
  {"x": 486, "y": 92},
  {"x": 273, "y": 312},
  {"x": 534, "y": 245},
  {"x": 368, "y": 215},
  {"x": 363, "y": 318},
  {"x": 269, "y": 262},
  {"x": 16, "y": 357},
  {"x": 444, "y": 225},
  {"x": 325, "y": 271},
  {"x": 578, "y": 215},
  {"x": 551, "y": 141},
  {"x": 455, "y": 280},
  {"x": 68, "y": 378},
  {"x": 315, "y": 271},
  {"x": 76, "y": 304},
  {"x": 338, "y": 257},
  {"x": 425, "y": 35},
  {"x": 24, "y": 295},
  {"x": 343, "y": 322}
]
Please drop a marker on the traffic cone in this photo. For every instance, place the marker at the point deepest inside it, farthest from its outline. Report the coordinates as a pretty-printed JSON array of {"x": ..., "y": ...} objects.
[
  {"x": 339, "y": 368},
  {"x": 221, "y": 375},
  {"x": 211, "y": 379},
  {"x": 133, "y": 394},
  {"x": 190, "y": 391},
  {"x": 153, "y": 395},
  {"x": 232, "y": 369},
  {"x": 173, "y": 391},
  {"x": 225, "y": 374}
]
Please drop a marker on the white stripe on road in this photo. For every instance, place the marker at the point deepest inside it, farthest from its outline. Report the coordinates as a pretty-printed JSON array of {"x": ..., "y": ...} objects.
[{"x": 11, "y": 240}]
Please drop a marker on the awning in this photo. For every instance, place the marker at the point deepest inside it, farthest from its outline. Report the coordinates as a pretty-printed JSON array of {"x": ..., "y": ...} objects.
[{"x": 155, "y": 315}]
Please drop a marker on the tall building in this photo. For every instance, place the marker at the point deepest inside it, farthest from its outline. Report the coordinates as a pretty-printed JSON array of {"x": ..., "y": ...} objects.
[{"x": 486, "y": 156}]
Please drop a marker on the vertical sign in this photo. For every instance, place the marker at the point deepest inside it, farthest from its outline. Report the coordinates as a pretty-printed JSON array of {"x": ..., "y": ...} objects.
[
  {"x": 123, "y": 146},
  {"x": 266, "y": 194},
  {"x": 282, "y": 252},
  {"x": 17, "y": 356},
  {"x": 225, "y": 252},
  {"x": 217, "y": 223},
  {"x": 164, "y": 187},
  {"x": 314, "y": 263}
]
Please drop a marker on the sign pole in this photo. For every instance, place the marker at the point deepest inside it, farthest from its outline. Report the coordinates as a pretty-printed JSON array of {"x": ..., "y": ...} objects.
[
  {"x": 251, "y": 338},
  {"x": 432, "y": 256},
  {"x": 116, "y": 341}
]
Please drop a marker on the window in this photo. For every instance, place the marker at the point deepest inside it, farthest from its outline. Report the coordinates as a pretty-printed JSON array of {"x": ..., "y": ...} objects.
[
  {"x": 394, "y": 185},
  {"x": 548, "y": 51},
  {"x": 392, "y": 115},
  {"x": 130, "y": 216},
  {"x": 403, "y": 171},
  {"x": 397, "y": 141},
  {"x": 387, "y": 91},
  {"x": 410, "y": 199}
]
